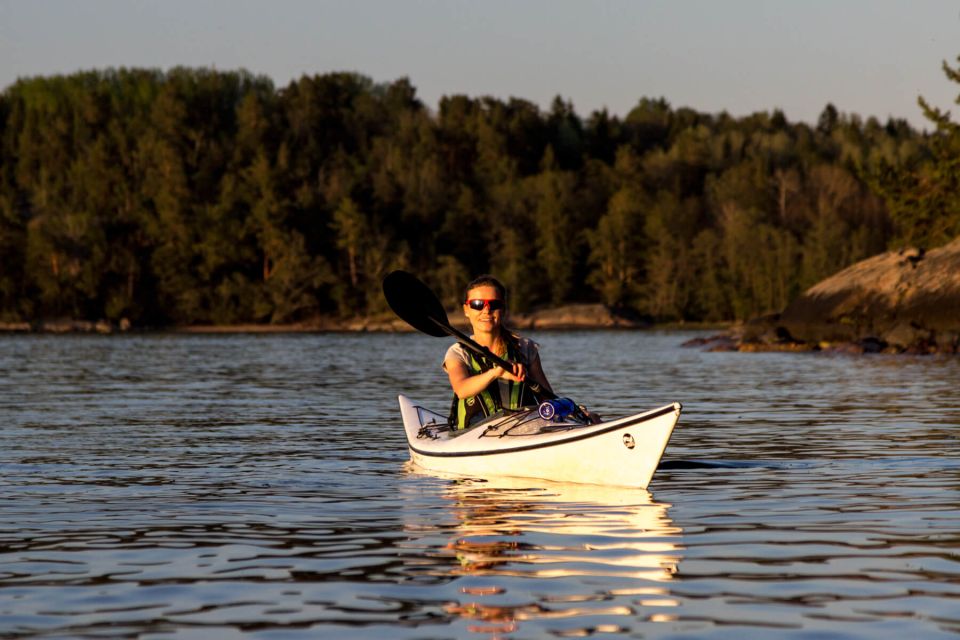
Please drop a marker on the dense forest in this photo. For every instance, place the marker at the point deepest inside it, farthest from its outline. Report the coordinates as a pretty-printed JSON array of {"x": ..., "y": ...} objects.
[{"x": 201, "y": 196}]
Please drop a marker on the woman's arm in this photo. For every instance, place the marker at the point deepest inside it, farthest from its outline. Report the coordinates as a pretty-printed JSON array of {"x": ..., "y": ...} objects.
[{"x": 466, "y": 384}]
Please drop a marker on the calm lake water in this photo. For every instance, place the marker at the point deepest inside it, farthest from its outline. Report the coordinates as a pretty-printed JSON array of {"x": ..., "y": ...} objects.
[{"x": 255, "y": 486}]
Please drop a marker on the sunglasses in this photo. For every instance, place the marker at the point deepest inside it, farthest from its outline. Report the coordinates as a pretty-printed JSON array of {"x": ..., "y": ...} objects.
[{"x": 478, "y": 304}]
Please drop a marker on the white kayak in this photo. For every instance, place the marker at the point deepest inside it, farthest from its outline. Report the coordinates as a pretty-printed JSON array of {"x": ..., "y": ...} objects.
[{"x": 622, "y": 452}]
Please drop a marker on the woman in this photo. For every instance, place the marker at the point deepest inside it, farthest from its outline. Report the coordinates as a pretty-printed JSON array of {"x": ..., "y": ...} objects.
[{"x": 481, "y": 388}]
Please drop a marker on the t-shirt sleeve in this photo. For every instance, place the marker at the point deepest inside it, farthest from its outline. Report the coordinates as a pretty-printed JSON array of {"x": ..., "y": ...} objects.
[{"x": 456, "y": 349}]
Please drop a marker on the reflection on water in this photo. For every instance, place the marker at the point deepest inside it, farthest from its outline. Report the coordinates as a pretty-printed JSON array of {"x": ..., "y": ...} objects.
[
  {"x": 255, "y": 486},
  {"x": 509, "y": 532}
]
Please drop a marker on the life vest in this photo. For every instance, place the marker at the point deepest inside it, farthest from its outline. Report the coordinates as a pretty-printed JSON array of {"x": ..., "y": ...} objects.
[{"x": 465, "y": 411}]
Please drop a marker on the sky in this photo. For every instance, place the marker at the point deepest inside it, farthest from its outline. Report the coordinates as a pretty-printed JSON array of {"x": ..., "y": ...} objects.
[{"x": 867, "y": 57}]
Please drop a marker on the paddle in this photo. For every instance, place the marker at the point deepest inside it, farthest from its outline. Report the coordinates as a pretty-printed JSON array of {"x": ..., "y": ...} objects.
[{"x": 417, "y": 305}]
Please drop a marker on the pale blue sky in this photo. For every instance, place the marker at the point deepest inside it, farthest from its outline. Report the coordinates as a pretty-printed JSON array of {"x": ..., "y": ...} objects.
[{"x": 867, "y": 57}]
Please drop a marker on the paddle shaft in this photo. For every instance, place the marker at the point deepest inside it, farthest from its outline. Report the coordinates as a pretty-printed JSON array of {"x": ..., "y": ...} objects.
[{"x": 465, "y": 340}]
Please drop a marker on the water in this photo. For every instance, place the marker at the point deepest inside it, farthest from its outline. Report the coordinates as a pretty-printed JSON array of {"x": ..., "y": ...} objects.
[{"x": 171, "y": 486}]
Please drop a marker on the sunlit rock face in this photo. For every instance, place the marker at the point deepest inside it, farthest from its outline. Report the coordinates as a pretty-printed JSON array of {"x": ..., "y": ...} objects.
[{"x": 901, "y": 300}]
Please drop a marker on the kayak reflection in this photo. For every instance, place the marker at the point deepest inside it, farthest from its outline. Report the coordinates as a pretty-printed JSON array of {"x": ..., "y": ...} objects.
[
  {"x": 497, "y": 515},
  {"x": 516, "y": 540}
]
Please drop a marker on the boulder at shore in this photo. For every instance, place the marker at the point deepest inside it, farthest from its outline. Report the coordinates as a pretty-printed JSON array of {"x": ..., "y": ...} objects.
[{"x": 906, "y": 300}]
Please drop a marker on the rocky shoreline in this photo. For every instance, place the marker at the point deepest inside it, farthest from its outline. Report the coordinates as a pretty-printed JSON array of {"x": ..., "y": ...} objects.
[
  {"x": 905, "y": 301},
  {"x": 569, "y": 317}
]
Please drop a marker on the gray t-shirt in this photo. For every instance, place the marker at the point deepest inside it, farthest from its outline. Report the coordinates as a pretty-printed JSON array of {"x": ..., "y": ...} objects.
[{"x": 529, "y": 352}]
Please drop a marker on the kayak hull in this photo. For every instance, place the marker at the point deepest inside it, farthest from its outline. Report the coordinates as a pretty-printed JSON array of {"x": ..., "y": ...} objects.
[{"x": 623, "y": 452}]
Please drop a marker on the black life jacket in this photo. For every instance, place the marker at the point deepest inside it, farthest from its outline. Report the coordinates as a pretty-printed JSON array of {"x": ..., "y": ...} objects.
[{"x": 466, "y": 411}]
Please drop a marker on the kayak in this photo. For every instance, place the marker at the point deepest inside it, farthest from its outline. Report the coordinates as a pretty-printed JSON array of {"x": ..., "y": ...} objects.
[{"x": 623, "y": 452}]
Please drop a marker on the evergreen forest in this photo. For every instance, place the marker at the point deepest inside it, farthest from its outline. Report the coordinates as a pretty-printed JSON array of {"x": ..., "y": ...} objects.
[{"x": 195, "y": 196}]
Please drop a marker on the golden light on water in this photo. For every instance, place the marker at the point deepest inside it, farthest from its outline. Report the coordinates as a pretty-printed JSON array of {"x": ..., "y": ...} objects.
[{"x": 507, "y": 530}]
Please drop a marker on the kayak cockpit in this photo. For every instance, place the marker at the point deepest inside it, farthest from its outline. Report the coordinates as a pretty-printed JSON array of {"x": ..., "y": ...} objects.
[{"x": 504, "y": 423}]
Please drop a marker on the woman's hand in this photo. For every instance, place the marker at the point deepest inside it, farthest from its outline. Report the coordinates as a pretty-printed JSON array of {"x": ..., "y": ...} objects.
[{"x": 518, "y": 374}]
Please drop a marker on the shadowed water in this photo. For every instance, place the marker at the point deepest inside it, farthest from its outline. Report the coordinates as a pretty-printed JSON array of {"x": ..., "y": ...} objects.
[{"x": 172, "y": 486}]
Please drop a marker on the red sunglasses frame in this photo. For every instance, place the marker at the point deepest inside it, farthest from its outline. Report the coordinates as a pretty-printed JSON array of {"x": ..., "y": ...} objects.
[{"x": 492, "y": 304}]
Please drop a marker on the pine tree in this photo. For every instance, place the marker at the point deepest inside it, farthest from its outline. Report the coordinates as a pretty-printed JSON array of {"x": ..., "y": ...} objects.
[{"x": 924, "y": 196}]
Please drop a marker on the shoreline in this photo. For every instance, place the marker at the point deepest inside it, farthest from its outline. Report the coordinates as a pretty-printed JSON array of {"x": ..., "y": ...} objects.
[
  {"x": 760, "y": 337},
  {"x": 585, "y": 317}
]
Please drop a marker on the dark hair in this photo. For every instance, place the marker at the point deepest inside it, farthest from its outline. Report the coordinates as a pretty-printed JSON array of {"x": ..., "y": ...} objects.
[{"x": 486, "y": 280}]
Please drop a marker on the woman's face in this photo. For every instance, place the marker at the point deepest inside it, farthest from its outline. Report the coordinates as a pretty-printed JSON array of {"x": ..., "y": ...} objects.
[{"x": 486, "y": 319}]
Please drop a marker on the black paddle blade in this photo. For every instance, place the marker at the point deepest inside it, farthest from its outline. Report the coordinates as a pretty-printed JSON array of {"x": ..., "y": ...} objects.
[{"x": 415, "y": 303}]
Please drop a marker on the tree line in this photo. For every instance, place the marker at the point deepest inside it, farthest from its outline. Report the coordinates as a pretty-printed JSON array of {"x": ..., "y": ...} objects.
[{"x": 202, "y": 196}]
